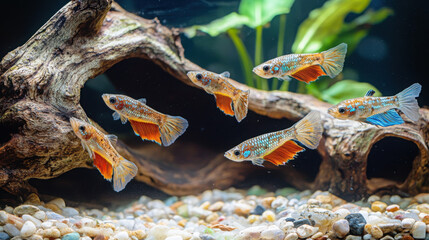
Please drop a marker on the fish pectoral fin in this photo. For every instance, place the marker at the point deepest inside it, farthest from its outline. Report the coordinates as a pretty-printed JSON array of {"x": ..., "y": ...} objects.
[
  {"x": 112, "y": 138},
  {"x": 309, "y": 74},
  {"x": 223, "y": 102},
  {"x": 101, "y": 163},
  {"x": 284, "y": 153},
  {"x": 258, "y": 162},
  {"x": 86, "y": 147},
  {"x": 146, "y": 130},
  {"x": 226, "y": 74},
  {"x": 370, "y": 93},
  {"x": 386, "y": 119},
  {"x": 116, "y": 116}
]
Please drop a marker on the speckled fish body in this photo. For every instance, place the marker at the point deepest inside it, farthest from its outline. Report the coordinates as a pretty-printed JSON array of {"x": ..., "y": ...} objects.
[
  {"x": 284, "y": 66},
  {"x": 380, "y": 110},
  {"x": 281, "y": 146},
  {"x": 226, "y": 94},
  {"x": 147, "y": 123}
]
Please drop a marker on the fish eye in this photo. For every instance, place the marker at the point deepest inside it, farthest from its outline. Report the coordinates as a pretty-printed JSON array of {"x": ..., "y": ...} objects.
[
  {"x": 341, "y": 110},
  {"x": 266, "y": 68},
  {"x": 82, "y": 128},
  {"x": 199, "y": 76},
  {"x": 112, "y": 100},
  {"x": 237, "y": 153}
]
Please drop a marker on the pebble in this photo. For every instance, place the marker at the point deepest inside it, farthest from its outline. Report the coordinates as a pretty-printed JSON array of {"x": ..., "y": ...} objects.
[
  {"x": 259, "y": 210},
  {"x": 356, "y": 223},
  {"x": 373, "y": 198},
  {"x": 41, "y": 215},
  {"x": 59, "y": 202},
  {"x": 174, "y": 238},
  {"x": 11, "y": 230},
  {"x": 341, "y": 228},
  {"x": 291, "y": 236},
  {"x": 422, "y": 198},
  {"x": 387, "y": 237},
  {"x": 419, "y": 230},
  {"x": 71, "y": 236},
  {"x": 217, "y": 206},
  {"x": 158, "y": 232},
  {"x": 54, "y": 216},
  {"x": 353, "y": 237},
  {"x": 121, "y": 236},
  {"x": 4, "y": 236},
  {"x": 305, "y": 231},
  {"x": 251, "y": 232},
  {"x": 407, "y": 223},
  {"x": 392, "y": 208},
  {"x": 49, "y": 233},
  {"x": 242, "y": 209},
  {"x": 70, "y": 212},
  {"x": 28, "y": 229},
  {"x": 376, "y": 232},
  {"x": 25, "y": 209},
  {"x": 269, "y": 216},
  {"x": 378, "y": 206},
  {"x": 395, "y": 199},
  {"x": 424, "y": 207},
  {"x": 272, "y": 233}
]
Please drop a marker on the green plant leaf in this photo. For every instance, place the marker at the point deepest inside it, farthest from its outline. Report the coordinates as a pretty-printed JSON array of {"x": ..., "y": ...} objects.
[
  {"x": 218, "y": 26},
  {"x": 347, "y": 89},
  {"x": 323, "y": 23},
  {"x": 261, "y": 12}
]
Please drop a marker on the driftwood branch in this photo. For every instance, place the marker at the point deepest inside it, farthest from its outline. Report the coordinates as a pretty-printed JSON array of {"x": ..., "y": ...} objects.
[{"x": 40, "y": 85}]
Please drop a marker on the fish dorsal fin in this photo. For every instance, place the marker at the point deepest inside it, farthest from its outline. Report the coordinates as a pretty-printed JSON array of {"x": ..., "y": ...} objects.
[
  {"x": 146, "y": 130},
  {"x": 226, "y": 74},
  {"x": 309, "y": 74},
  {"x": 223, "y": 102},
  {"x": 284, "y": 153},
  {"x": 386, "y": 119},
  {"x": 142, "y": 100},
  {"x": 370, "y": 93},
  {"x": 101, "y": 163},
  {"x": 258, "y": 162},
  {"x": 112, "y": 138}
]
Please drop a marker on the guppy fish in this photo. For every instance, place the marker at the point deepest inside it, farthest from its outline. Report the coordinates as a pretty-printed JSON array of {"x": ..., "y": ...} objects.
[
  {"x": 281, "y": 146},
  {"x": 225, "y": 93},
  {"x": 304, "y": 67},
  {"x": 106, "y": 159},
  {"x": 146, "y": 122},
  {"x": 380, "y": 110}
]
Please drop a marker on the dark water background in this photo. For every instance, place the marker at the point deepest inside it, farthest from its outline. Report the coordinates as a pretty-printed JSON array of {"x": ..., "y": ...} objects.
[{"x": 391, "y": 57}]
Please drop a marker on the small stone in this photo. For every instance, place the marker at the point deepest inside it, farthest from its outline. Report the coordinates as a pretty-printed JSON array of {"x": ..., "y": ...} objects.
[
  {"x": 291, "y": 236},
  {"x": 252, "y": 218},
  {"x": 272, "y": 233},
  {"x": 269, "y": 216},
  {"x": 301, "y": 222},
  {"x": 70, "y": 212},
  {"x": 422, "y": 198},
  {"x": 54, "y": 216},
  {"x": 407, "y": 223},
  {"x": 4, "y": 216},
  {"x": 341, "y": 228},
  {"x": 317, "y": 235},
  {"x": 217, "y": 206},
  {"x": 419, "y": 230},
  {"x": 356, "y": 223},
  {"x": 11, "y": 230},
  {"x": 424, "y": 208},
  {"x": 59, "y": 202},
  {"x": 53, "y": 207},
  {"x": 212, "y": 217},
  {"x": 174, "y": 238},
  {"x": 71, "y": 236},
  {"x": 127, "y": 223},
  {"x": 376, "y": 232},
  {"x": 289, "y": 219},
  {"x": 28, "y": 229},
  {"x": 389, "y": 227},
  {"x": 206, "y": 237},
  {"x": 100, "y": 237},
  {"x": 25, "y": 209},
  {"x": 259, "y": 210},
  {"x": 139, "y": 234},
  {"x": 373, "y": 198},
  {"x": 378, "y": 206},
  {"x": 280, "y": 201},
  {"x": 158, "y": 232},
  {"x": 305, "y": 231},
  {"x": 36, "y": 221},
  {"x": 4, "y": 236},
  {"x": 251, "y": 232},
  {"x": 392, "y": 208},
  {"x": 33, "y": 199},
  {"x": 387, "y": 237},
  {"x": 242, "y": 209},
  {"x": 368, "y": 236},
  {"x": 266, "y": 202},
  {"x": 41, "y": 215},
  {"x": 353, "y": 237},
  {"x": 256, "y": 190},
  {"x": 122, "y": 235},
  {"x": 49, "y": 233},
  {"x": 395, "y": 199}
]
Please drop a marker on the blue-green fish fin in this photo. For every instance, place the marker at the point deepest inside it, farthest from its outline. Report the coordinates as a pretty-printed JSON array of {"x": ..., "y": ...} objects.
[
  {"x": 226, "y": 74},
  {"x": 386, "y": 119},
  {"x": 258, "y": 162},
  {"x": 142, "y": 100},
  {"x": 370, "y": 93}
]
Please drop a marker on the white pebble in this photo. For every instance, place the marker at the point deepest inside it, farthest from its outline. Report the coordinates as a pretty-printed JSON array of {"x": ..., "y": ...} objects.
[
  {"x": 36, "y": 221},
  {"x": 87, "y": 222},
  {"x": 28, "y": 229},
  {"x": 342, "y": 212},
  {"x": 419, "y": 230},
  {"x": 305, "y": 231},
  {"x": 70, "y": 212},
  {"x": 291, "y": 236},
  {"x": 46, "y": 225},
  {"x": 272, "y": 233},
  {"x": 341, "y": 228},
  {"x": 59, "y": 202},
  {"x": 122, "y": 235},
  {"x": 158, "y": 232},
  {"x": 41, "y": 215},
  {"x": 280, "y": 201},
  {"x": 174, "y": 238},
  {"x": 11, "y": 230},
  {"x": 407, "y": 222},
  {"x": 85, "y": 238},
  {"x": 127, "y": 223},
  {"x": 373, "y": 198}
]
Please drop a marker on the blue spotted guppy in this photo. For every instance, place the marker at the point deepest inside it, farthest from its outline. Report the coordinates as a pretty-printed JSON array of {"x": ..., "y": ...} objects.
[
  {"x": 305, "y": 67},
  {"x": 281, "y": 146},
  {"x": 146, "y": 122},
  {"x": 380, "y": 110}
]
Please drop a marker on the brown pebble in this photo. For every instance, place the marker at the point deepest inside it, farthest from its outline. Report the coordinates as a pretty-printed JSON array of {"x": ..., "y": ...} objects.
[
  {"x": 266, "y": 202},
  {"x": 33, "y": 199},
  {"x": 100, "y": 237},
  {"x": 53, "y": 207},
  {"x": 378, "y": 206},
  {"x": 407, "y": 237},
  {"x": 175, "y": 205},
  {"x": 182, "y": 222},
  {"x": 139, "y": 234},
  {"x": 376, "y": 232},
  {"x": 217, "y": 206},
  {"x": 426, "y": 219}
]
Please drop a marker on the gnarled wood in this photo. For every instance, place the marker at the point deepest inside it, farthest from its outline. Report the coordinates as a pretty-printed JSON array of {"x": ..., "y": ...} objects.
[{"x": 40, "y": 86}]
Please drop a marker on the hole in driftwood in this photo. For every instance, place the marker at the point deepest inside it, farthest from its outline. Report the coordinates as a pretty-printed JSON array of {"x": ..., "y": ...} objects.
[{"x": 391, "y": 159}]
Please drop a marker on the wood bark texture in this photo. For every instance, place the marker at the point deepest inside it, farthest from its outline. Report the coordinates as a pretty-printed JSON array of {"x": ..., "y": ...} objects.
[{"x": 40, "y": 84}]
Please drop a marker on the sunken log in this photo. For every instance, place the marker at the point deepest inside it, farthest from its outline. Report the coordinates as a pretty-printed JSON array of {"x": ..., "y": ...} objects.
[{"x": 41, "y": 82}]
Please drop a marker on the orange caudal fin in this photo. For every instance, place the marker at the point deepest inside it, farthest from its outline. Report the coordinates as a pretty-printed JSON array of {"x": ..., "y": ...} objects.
[
  {"x": 124, "y": 172},
  {"x": 103, "y": 166},
  {"x": 146, "y": 130},
  {"x": 224, "y": 103},
  {"x": 172, "y": 128},
  {"x": 309, "y": 74},
  {"x": 284, "y": 153}
]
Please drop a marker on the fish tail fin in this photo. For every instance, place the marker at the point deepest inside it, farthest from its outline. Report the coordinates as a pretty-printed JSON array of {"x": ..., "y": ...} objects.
[
  {"x": 408, "y": 102},
  {"x": 172, "y": 128},
  {"x": 240, "y": 105},
  {"x": 123, "y": 173},
  {"x": 334, "y": 59},
  {"x": 308, "y": 130}
]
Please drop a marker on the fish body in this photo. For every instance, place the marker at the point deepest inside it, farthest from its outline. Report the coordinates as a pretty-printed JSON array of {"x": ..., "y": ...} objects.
[
  {"x": 106, "y": 159},
  {"x": 281, "y": 146},
  {"x": 225, "y": 93},
  {"x": 380, "y": 110},
  {"x": 146, "y": 122},
  {"x": 304, "y": 67}
]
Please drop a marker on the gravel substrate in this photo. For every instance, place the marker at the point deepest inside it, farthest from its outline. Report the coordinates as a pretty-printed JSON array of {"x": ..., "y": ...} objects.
[{"x": 232, "y": 214}]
